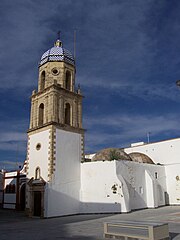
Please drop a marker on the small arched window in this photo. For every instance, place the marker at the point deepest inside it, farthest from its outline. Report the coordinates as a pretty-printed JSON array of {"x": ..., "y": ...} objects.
[
  {"x": 37, "y": 173},
  {"x": 41, "y": 114},
  {"x": 67, "y": 114},
  {"x": 43, "y": 77},
  {"x": 68, "y": 81}
]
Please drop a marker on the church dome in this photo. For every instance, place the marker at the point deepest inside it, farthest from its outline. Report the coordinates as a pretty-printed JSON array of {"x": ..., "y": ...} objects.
[
  {"x": 140, "y": 157},
  {"x": 57, "y": 54},
  {"x": 109, "y": 154}
]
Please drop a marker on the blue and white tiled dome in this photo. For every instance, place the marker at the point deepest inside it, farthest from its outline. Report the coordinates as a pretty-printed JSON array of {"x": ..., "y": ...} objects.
[{"x": 56, "y": 54}]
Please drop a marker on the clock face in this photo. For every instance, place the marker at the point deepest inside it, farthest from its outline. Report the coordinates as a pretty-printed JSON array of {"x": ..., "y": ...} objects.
[{"x": 55, "y": 71}]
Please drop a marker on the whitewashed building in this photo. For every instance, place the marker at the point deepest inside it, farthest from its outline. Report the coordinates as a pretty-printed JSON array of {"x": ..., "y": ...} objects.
[
  {"x": 1, "y": 188},
  {"x": 59, "y": 180},
  {"x": 14, "y": 189},
  {"x": 166, "y": 153}
]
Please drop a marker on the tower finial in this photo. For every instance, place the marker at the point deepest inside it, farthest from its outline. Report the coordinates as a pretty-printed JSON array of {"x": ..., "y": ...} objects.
[{"x": 58, "y": 42}]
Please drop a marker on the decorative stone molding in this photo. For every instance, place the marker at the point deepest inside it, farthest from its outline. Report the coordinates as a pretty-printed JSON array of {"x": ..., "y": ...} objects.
[
  {"x": 27, "y": 155},
  {"x": 35, "y": 186},
  {"x": 82, "y": 147},
  {"x": 51, "y": 152}
]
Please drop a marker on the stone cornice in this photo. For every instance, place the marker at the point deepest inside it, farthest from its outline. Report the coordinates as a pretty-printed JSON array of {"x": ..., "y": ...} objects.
[
  {"x": 58, "y": 125},
  {"x": 57, "y": 87}
]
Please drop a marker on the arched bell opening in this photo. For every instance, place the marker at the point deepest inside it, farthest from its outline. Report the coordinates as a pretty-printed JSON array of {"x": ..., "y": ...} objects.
[
  {"x": 67, "y": 119},
  {"x": 41, "y": 114},
  {"x": 42, "y": 80}
]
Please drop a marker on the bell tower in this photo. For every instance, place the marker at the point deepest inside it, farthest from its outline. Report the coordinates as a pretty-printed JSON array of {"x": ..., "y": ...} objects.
[
  {"x": 56, "y": 100},
  {"x": 55, "y": 137}
]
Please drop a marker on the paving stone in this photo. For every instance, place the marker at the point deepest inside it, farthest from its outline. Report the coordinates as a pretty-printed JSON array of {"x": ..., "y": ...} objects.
[{"x": 15, "y": 225}]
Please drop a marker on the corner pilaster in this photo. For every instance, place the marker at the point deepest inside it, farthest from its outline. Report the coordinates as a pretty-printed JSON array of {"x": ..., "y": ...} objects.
[{"x": 51, "y": 152}]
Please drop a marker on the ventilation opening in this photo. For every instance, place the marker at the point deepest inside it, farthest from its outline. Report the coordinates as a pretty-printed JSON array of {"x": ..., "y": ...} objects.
[
  {"x": 37, "y": 173},
  {"x": 68, "y": 81}
]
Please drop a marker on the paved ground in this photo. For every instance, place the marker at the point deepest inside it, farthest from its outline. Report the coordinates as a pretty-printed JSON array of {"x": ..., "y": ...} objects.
[{"x": 15, "y": 225}]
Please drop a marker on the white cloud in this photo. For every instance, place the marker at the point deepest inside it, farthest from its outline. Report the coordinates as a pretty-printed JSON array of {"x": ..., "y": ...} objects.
[
  {"x": 128, "y": 128},
  {"x": 13, "y": 136},
  {"x": 9, "y": 165}
]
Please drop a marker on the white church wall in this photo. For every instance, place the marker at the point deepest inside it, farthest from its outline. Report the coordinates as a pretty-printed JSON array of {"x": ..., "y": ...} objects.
[
  {"x": 173, "y": 184},
  {"x": 63, "y": 192},
  {"x": 163, "y": 152},
  {"x": 39, "y": 158},
  {"x": 137, "y": 186},
  {"x": 101, "y": 190},
  {"x": 168, "y": 154}
]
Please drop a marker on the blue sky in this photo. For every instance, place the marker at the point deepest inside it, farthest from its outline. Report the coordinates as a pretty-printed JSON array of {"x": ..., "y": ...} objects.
[{"x": 127, "y": 59}]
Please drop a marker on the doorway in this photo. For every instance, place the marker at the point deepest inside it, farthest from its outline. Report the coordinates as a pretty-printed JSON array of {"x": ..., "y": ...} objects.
[{"x": 37, "y": 203}]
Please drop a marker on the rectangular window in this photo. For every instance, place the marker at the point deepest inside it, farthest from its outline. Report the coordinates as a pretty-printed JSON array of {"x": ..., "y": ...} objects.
[
  {"x": 10, "y": 188},
  {"x": 141, "y": 190}
]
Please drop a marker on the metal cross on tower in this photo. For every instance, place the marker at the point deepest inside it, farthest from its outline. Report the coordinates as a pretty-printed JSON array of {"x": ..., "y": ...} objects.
[{"x": 58, "y": 34}]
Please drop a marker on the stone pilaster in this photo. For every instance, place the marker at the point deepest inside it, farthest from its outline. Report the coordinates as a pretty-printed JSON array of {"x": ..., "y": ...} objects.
[
  {"x": 31, "y": 115},
  {"x": 46, "y": 114},
  {"x": 74, "y": 115},
  {"x": 80, "y": 114},
  {"x": 56, "y": 109},
  {"x": 50, "y": 107},
  {"x": 27, "y": 155},
  {"x": 61, "y": 110},
  {"x": 36, "y": 112},
  {"x": 82, "y": 147}
]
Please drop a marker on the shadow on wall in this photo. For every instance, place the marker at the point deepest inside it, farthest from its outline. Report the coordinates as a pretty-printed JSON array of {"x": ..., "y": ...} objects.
[
  {"x": 133, "y": 198},
  {"x": 166, "y": 197},
  {"x": 61, "y": 204},
  {"x": 140, "y": 188}
]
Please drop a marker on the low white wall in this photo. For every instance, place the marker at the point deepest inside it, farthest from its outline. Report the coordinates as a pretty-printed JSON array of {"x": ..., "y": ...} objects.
[
  {"x": 137, "y": 186},
  {"x": 63, "y": 193},
  {"x": 98, "y": 179}
]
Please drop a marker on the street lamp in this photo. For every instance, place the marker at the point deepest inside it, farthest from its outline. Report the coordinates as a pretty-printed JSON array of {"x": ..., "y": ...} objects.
[{"x": 148, "y": 136}]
